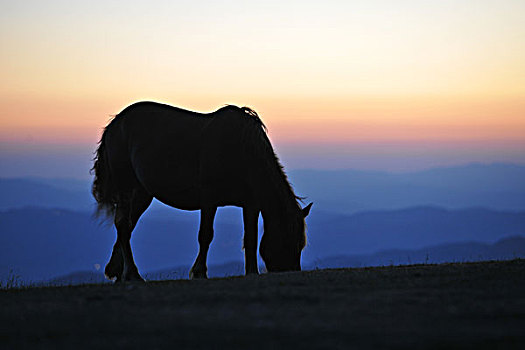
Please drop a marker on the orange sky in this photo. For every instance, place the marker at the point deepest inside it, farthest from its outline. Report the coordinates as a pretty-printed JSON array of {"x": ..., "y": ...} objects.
[
  {"x": 329, "y": 72},
  {"x": 296, "y": 120}
]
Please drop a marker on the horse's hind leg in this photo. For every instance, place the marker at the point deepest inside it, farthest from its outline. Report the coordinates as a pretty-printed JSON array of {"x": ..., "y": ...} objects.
[
  {"x": 121, "y": 265},
  {"x": 200, "y": 269},
  {"x": 115, "y": 266}
]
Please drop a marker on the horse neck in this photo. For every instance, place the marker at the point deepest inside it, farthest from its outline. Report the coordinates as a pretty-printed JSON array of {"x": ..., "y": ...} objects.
[
  {"x": 276, "y": 196},
  {"x": 278, "y": 206},
  {"x": 281, "y": 218}
]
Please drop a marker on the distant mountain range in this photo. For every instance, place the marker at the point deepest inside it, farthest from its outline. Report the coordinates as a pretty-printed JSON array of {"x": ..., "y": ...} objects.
[
  {"x": 494, "y": 186},
  {"x": 47, "y": 228},
  {"x": 411, "y": 228},
  {"x": 39, "y": 243},
  {"x": 504, "y": 249},
  {"x": 56, "y": 193}
]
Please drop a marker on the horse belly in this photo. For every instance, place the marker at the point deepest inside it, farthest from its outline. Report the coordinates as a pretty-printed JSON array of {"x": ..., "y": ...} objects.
[
  {"x": 190, "y": 197},
  {"x": 186, "y": 199},
  {"x": 170, "y": 175}
]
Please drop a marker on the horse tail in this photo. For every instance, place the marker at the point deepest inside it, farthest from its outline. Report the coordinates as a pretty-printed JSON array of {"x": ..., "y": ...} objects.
[{"x": 103, "y": 190}]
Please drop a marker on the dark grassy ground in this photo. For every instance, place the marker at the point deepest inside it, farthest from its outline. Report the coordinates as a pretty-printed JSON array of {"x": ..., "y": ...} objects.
[{"x": 472, "y": 305}]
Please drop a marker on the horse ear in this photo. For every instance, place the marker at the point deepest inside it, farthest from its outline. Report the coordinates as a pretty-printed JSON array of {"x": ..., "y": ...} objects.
[{"x": 306, "y": 210}]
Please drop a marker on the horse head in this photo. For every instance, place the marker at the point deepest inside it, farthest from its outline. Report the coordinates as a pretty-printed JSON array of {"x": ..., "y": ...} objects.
[{"x": 284, "y": 240}]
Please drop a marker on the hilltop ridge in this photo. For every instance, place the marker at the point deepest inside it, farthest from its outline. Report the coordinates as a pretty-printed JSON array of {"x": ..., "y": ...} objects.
[{"x": 417, "y": 306}]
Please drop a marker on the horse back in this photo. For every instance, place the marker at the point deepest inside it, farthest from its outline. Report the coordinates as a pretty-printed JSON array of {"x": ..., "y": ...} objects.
[
  {"x": 157, "y": 147},
  {"x": 180, "y": 156}
]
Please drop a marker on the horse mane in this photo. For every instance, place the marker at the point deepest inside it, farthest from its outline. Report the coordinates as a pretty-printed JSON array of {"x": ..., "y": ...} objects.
[{"x": 255, "y": 137}]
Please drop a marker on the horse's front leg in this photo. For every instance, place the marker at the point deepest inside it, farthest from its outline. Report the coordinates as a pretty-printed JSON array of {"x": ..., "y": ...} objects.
[
  {"x": 250, "y": 218},
  {"x": 200, "y": 269}
]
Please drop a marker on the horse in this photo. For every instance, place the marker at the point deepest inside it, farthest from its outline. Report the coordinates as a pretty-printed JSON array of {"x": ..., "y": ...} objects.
[{"x": 196, "y": 161}]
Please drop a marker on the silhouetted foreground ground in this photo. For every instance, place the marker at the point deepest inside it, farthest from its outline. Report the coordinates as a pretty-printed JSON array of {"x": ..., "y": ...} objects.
[{"x": 474, "y": 305}]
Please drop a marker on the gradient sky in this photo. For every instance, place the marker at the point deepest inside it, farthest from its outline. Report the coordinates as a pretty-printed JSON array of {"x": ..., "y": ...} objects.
[{"x": 394, "y": 85}]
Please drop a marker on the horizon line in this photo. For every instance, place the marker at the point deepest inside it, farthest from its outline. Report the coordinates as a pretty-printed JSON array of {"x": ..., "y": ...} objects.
[{"x": 294, "y": 169}]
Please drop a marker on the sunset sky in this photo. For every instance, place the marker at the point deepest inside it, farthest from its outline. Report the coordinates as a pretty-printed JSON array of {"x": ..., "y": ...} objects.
[{"x": 390, "y": 85}]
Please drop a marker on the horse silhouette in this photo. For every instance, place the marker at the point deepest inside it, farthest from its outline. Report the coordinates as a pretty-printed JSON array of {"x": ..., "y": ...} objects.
[{"x": 193, "y": 161}]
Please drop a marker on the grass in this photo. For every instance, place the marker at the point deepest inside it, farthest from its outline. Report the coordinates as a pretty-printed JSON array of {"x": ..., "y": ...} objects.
[
  {"x": 467, "y": 305},
  {"x": 13, "y": 280}
]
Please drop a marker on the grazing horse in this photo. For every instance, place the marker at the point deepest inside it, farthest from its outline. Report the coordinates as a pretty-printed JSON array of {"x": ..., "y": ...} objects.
[{"x": 194, "y": 161}]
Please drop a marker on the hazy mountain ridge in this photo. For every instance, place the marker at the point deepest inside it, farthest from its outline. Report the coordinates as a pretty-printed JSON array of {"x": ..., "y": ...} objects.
[
  {"x": 409, "y": 228},
  {"x": 56, "y": 193},
  {"x": 39, "y": 243},
  {"x": 232, "y": 268},
  {"x": 495, "y": 186},
  {"x": 355, "y": 213},
  {"x": 504, "y": 249}
]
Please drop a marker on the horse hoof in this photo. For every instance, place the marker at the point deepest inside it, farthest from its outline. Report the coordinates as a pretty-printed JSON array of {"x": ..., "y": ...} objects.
[
  {"x": 135, "y": 278},
  {"x": 198, "y": 275},
  {"x": 114, "y": 279},
  {"x": 113, "y": 272},
  {"x": 129, "y": 277},
  {"x": 113, "y": 276}
]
